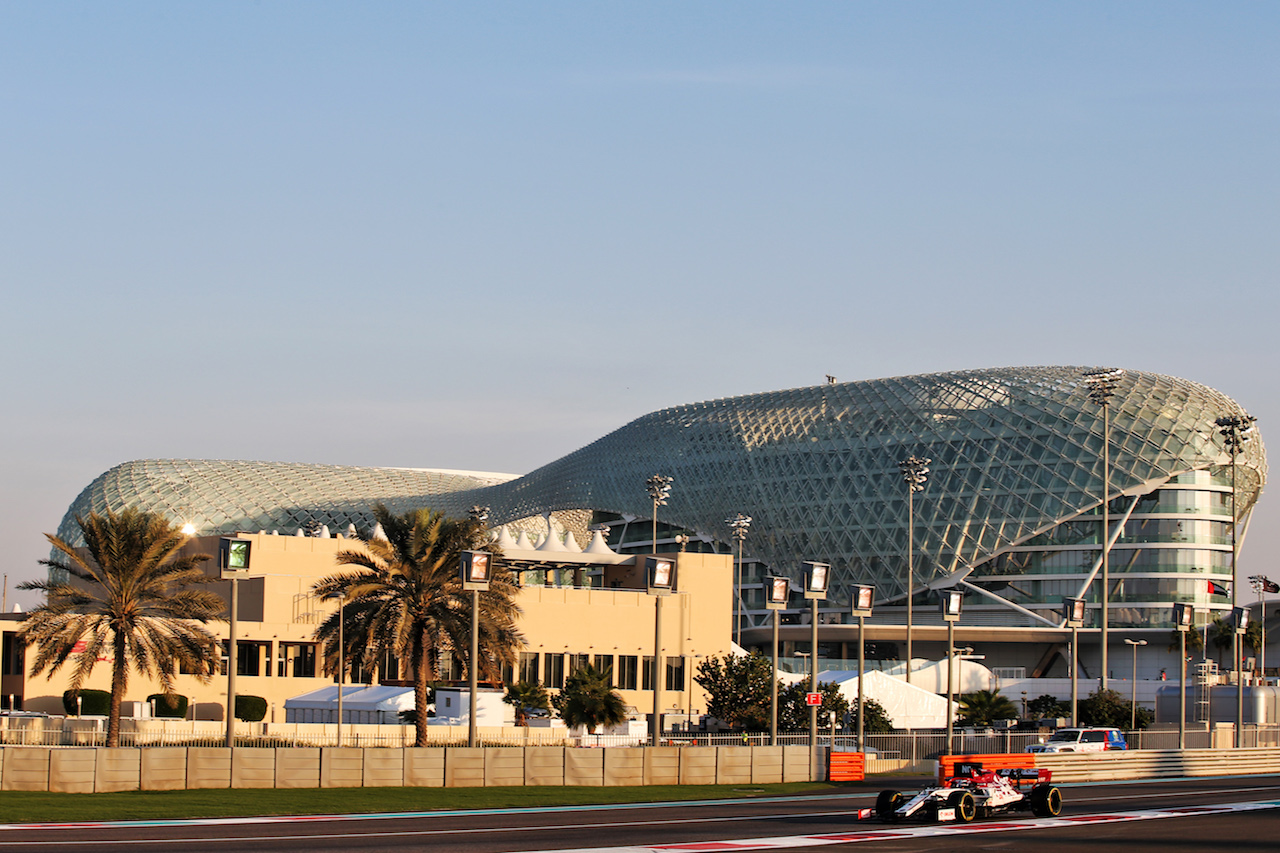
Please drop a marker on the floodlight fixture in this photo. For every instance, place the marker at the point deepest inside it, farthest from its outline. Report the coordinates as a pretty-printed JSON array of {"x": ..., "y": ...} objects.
[
  {"x": 660, "y": 573},
  {"x": 950, "y": 602},
  {"x": 863, "y": 597},
  {"x": 776, "y": 591},
  {"x": 816, "y": 578},
  {"x": 476, "y": 570},
  {"x": 1183, "y": 616},
  {"x": 1073, "y": 612}
]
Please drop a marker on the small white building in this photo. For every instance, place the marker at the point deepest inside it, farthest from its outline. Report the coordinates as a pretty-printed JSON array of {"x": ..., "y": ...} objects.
[{"x": 453, "y": 705}]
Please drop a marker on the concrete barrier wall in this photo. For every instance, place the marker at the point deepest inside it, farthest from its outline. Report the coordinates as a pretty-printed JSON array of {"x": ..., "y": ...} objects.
[
  {"x": 71, "y": 771},
  {"x": 584, "y": 767},
  {"x": 298, "y": 767},
  {"x": 544, "y": 765},
  {"x": 88, "y": 769},
  {"x": 164, "y": 768},
  {"x": 118, "y": 770},
  {"x": 1158, "y": 764}
]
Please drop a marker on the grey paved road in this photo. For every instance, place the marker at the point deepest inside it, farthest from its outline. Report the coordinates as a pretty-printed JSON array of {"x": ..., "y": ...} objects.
[{"x": 790, "y": 823}]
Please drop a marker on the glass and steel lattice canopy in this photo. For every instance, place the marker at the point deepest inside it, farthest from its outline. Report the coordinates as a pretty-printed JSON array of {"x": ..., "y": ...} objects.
[{"x": 1014, "y": 491}]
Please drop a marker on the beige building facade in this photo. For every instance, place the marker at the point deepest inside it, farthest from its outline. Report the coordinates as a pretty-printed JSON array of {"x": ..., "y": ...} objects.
[{"x": 576, "y": 607}]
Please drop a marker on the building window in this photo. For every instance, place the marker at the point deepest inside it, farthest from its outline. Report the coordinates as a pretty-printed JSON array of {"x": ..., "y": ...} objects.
[
  {"x": 528, "y": 668},
  {"x": 577, "y": 662},
  {"x": 604, "y": 664},
  {"x": 553, "y": 674},
  {"x": 297, "y": 660},
  {"x": 626, "y": 675},
  {"x": 675, "y": 674},
  {"x": 646, "y": 673}
]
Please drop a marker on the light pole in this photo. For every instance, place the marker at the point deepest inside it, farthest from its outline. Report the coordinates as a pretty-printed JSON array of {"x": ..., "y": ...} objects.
[
  {"x": 475, "y": 579},
  {"x": 233, "y": 560},
  {"x": 1073, "y": 612},
  {"x": 863, "y": 597},
  {"x": 1262, "y": 585},
  {"x": 342, "y": 661},
  {"x": 1240, "y": 620},
  {"x": 1133, "y": 696},
  {"x": 915, "y": 472},
  {"x": 1102, "y": 386},
  {"x": 659, "y": 488},
  {"x": 949, "y": 604},
  {"x": 1183, "y": 616},
  {"x": 738, "y": 525},
  {"x": 1236, "y": 431},
  {"x": 817, "y": 576},
  {"x": 660, "y": 575},
  {"x": 778, "y": 589}
]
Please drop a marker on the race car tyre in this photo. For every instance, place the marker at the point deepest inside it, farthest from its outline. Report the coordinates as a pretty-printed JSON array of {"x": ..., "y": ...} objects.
[
  {"x": 1046, "y": 801},
  {"x": 887, "y": 805},
  {"x": 964, "y": 804}
]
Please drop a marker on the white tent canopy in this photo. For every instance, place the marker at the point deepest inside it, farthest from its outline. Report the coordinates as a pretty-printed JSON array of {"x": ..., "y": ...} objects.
[
  {"x": 361, "y": 703},
  {"x": 908, "y": 706}
]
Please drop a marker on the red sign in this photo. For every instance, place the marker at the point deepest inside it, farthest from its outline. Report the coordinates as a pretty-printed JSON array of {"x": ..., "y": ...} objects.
[{"x": 813, "y": 698}]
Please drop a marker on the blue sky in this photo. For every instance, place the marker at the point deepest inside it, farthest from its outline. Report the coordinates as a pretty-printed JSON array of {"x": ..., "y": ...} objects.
[{"x": 480, "y": 235}]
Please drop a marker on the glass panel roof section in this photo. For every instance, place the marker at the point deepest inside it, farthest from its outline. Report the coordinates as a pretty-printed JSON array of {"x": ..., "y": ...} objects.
[{"x": 1015, "y": 451}]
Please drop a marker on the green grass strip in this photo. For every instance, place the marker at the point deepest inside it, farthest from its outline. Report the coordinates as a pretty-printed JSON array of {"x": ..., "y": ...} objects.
[{"x": 41, "y": 807}]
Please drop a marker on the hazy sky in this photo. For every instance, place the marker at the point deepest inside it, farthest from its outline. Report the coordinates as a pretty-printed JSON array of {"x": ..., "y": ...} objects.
[{"x": 480, "y": 235}]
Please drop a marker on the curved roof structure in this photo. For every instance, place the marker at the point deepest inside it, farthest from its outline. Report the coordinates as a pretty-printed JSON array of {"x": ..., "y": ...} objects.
[{"x": 1016, "y": 453}]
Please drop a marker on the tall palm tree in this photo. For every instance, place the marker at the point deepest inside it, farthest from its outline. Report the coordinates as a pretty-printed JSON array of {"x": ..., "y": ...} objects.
[
  {"x": 405, "y": 598},
  {"x": 129, "y": 596},
  {"x": 589, "y": 700}
]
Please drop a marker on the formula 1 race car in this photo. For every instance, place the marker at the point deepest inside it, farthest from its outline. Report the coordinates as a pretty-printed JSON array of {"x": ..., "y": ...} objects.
[{"x": 972, "y": 792}]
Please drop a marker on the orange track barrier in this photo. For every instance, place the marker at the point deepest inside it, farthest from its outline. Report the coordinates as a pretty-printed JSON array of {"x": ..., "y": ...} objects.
[{"x": 847, "y": 767}]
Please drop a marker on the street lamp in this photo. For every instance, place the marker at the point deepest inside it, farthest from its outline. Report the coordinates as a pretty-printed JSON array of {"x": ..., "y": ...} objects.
[
  {"x": 1133, "y": 696},
  {"x": 1102, "y": 386},
  {"x": 778, "y": 588},
  {"x": 863, "y": 596},
  {"x": 949, "y": 603},
  {"x": 816, "y": 578},
  {"x": 1073, "y": 614},
  {"x": 1183, "y": 616},
  {"x": 738, "y": 525},
  {"x": 1261, "y": 585},
  {"x": 475, "y": 579},
  {"x": 659, "y": 488},
  {"x": 1236, "y": 431},
  {"x": 660, "y": 575},
  {"x": 915, "y": 472},
  {"x": 1240, "y": 620},
  {"x": 233, "y": 561}
]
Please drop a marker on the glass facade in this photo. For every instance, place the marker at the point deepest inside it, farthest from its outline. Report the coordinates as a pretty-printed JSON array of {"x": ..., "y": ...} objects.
[{"x": 1014, "y": 493}]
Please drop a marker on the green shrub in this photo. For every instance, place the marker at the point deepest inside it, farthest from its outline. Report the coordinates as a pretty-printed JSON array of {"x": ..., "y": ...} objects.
[
  {"x": 251, "y": 709},
  {"x": 93, "y": 703},
  {"x": 174, "y": 707}
]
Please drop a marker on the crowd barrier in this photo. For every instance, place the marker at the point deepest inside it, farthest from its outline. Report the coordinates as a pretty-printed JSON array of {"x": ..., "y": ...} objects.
[{"x": 102, "y": 769}]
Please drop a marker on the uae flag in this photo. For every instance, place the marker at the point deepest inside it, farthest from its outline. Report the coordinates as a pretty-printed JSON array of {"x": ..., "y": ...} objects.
[{"x": 1218, "y": 589}]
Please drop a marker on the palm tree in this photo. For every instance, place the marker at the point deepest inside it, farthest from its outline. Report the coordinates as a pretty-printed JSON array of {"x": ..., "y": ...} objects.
[
  {"x": 588, "y": 699},
  {"x": 127, "y": 596},
  {"x": 405, "y": 598},
  {"x": 1223, "y": 636},
  {"x": 983, "y": 707},
  {"x": 527, "y": 696}
]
